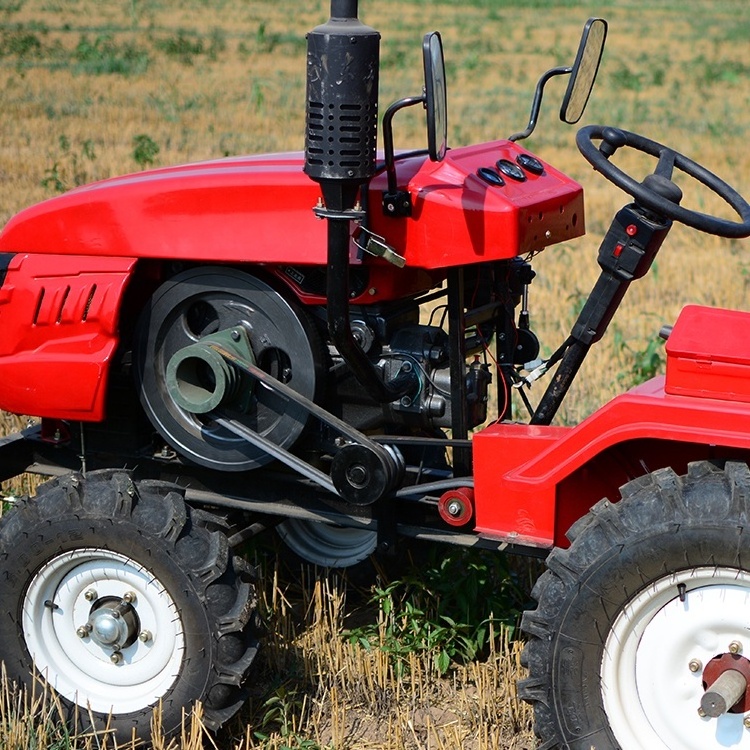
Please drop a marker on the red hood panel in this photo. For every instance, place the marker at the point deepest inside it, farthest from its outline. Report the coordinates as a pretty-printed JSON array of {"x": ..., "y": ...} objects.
[
  {"x": 259, "y": 209},
  {"x": 240, "y": 209}
]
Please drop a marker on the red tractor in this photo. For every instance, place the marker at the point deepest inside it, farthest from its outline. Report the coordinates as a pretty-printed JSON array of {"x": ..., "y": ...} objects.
[{"x": 222, "y": 347}]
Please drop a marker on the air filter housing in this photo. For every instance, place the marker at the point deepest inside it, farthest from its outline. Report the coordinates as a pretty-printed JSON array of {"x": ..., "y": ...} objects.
[{"x": 343, "y": 59}]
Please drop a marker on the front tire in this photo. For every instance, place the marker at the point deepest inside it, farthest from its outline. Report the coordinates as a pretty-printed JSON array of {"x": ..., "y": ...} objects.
[
  {"x": 636, "y": 619},
  {"x": 121, "y": 597}
]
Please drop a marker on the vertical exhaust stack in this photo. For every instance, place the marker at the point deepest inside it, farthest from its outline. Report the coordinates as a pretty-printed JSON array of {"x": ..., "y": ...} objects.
[{"x": 343, "y": 63}]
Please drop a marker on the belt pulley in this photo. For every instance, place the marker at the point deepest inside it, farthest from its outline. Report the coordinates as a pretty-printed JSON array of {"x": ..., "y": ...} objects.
[{"x": 362, "y": 471}]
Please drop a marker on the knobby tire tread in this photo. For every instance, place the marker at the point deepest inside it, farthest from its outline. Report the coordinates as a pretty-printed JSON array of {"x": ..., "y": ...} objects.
[
  {"x": 691, "y": 513},
  {"x": 155, "y": 518}
]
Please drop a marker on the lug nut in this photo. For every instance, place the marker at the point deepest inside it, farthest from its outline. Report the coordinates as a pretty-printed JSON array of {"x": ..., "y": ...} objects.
[
  {"x": 454, "y": 508},
  {"x": 701, "y": 713},
  {"x": 90, "y": 595},
  {"x": 116, "y": 657},
  {"x": 695, "y": 665},
  {"x": 735, "y": 647},
  {"x": 129, "y": 597},
  {"x": 83, "y": 631},
  {"x": 145, "y": 636},
  {"x": 746, "y": 722}
]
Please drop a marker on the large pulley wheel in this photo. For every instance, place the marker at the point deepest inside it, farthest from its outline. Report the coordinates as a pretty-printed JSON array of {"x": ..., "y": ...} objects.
[
  {"x": 127, "y": 599},
  {"x": 327, "y": 545},
  {"x": 202, "y": 302},
  {"x": 640, "y": 638}
]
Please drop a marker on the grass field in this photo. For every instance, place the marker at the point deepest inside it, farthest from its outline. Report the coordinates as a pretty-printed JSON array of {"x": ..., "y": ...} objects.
[{"x": 92, "y": 89}]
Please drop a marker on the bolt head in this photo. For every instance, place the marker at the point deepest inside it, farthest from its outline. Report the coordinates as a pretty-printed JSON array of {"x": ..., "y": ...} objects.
[
  {"x": 90, "y": 595},
  {"x": 746, "y": 722},
  {"x": 116, "y": 657},
  {"x": 145, "y": 636},
  {"x": 454, "y": 507},
  {"x": 83, "y": 631},
  {"x": 129, "y": 597},
  {"x": 695, "y": 665},
  {"x": 735, "y": 647},
  {"x": 357, "y": 475},
  {"x": 701, "y": 713}
]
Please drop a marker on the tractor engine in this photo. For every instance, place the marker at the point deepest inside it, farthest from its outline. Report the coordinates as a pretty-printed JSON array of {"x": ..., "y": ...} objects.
[{"x": 409, "y": 349}]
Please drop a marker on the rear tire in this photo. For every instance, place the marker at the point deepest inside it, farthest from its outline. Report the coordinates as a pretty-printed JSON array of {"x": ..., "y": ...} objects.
[
  {"x": 651, "y": 590},
  {"x": 120, "y": 596}
]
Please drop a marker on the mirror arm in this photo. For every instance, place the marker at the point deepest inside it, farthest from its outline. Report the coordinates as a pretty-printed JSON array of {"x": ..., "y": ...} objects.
[
  {"x": 536, "y": 105},
  {"x": 393, "y": 202}
]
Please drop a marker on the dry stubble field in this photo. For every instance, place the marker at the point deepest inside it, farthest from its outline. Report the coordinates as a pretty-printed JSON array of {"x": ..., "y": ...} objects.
[{"x": 92, "y": 89}]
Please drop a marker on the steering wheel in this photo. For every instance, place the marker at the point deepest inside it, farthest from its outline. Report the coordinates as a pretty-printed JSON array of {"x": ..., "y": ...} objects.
[{"x": 657, "y": 192}]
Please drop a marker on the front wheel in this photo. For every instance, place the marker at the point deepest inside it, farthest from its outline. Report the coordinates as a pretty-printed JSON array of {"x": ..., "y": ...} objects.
[
  {"x": 121, "y": 597},
  {"x": 645, "y": 620}
]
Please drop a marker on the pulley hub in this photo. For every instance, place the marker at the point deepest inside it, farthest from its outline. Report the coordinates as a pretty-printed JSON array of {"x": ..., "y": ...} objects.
[{"x": 363, "y": 474}]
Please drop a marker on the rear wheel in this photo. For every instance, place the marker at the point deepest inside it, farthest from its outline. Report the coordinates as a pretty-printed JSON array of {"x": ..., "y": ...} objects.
[
  {"x": 121, "y": 597},
  {"x": 642, "y": 615}
]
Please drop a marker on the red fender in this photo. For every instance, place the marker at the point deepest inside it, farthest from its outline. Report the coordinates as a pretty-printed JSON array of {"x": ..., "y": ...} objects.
[{"x": 533, "y": 482}]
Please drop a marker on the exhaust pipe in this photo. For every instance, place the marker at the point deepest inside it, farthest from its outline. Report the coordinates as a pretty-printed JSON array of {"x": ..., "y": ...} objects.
[{"x": 343, "y": 64}]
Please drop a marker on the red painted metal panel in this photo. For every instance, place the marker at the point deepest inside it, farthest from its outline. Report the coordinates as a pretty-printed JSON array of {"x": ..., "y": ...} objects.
[
  {"x": 708, "y": 354},
  {"x": 458, "y": 218},
  {"x": 245, "y": 209},
  {"x": 519, "y": 468},
  {"x": 58, "y": 331},
  {"x": 259, "y": 209}
]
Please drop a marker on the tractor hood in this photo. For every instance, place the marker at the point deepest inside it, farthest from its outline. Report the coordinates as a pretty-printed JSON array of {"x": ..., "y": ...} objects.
[
  {"x": 259, "y": 209},
  {"x": 253, "y": 208}
]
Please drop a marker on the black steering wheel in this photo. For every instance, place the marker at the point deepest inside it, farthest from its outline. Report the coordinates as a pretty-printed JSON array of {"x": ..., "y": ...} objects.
[{"x": 657, "y": 192}]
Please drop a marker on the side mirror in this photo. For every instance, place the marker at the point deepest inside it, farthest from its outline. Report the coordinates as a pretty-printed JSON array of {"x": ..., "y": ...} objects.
[
  {"x": 585, "y": 68},
  {"x": 582, "y": 76},
  {"x": 436, "y": 99}
]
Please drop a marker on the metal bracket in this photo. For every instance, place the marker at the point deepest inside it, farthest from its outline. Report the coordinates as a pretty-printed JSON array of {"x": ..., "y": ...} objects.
[
  {"x": 377, "y": 246},
  {"x": 397, "y": 204},
  {"x": 349, "y": 214}
]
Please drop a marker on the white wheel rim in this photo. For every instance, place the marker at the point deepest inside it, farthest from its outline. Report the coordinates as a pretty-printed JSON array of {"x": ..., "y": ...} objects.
[
  {"x": 326, "y": 545},
  {"x": 650, "y": 695},
  {"x": 82, "y": 670}
]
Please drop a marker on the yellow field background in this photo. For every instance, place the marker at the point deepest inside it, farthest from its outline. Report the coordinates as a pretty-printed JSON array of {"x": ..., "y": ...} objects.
[{"x": 83, "y": 82}]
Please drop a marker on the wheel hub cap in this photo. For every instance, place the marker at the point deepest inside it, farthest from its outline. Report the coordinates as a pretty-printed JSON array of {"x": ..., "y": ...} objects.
[
  {"x": 92, "y": 648},
  {"x": 113, "y": 624},
  {"x": 652, "y": 677}
]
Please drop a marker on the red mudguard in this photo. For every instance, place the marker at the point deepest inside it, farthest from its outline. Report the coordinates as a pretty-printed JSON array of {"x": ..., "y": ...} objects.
[{"x": 532, "y": 483}]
